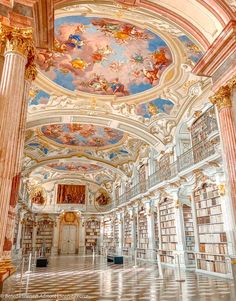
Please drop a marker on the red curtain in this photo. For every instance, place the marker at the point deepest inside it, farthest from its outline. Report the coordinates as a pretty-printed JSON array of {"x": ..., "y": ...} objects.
[{"x": 71, "y": 194}]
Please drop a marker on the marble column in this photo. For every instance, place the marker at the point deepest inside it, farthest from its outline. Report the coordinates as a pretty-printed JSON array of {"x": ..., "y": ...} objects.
[
  {"x": 102, "y": 233},
  {"x": 19, "y": 53},
  {"x": 121, "y": 232},
  {"x": 150, "y": 230},
  {"x": 2, "y": 48},
  {"x": 179, "y": 221},
  {"x": 55, "y": 241},
  {"x": 222, "y": 100},
  {"x": 195, "y": 225},
  {"x": 19, "y": 232}
]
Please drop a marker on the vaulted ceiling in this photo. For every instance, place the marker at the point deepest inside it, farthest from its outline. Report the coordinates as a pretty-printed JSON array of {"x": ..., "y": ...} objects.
[{"x": 114, "y": 77}]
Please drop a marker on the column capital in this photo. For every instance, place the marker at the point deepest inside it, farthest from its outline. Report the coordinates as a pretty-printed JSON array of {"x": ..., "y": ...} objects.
[
  {"x": 232, "y": 82},
  {"x": 222, "y": 98},
  {"x": 17, "y": 39}
]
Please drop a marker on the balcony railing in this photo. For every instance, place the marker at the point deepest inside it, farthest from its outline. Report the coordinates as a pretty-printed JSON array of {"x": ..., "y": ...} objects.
[{"x": 194, "y": 155}]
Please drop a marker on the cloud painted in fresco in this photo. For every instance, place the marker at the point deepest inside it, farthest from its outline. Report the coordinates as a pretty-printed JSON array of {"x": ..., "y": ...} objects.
[
  {"x": 194, "y": 53},
  {"x": 104, "y": 56},
  {"x": 75, "y": 166},
  {"x": 38, "y": 98},
  {"x": 82, "y": 135}
]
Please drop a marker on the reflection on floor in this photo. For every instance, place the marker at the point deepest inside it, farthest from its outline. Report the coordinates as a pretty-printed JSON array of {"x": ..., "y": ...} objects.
[{"x": 88, "y": 278}]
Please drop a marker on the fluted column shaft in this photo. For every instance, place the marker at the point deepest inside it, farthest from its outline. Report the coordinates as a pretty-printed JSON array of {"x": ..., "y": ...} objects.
[
  {"x": 18, "y": 63},
  {"x": 11, "y": 93},
  {"x": 222, "y": 99}
]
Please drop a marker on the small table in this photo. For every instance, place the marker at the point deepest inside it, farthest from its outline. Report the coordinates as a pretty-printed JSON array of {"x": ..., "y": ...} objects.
[
  {"x": 115, "y": 259},
  {"x": 41, "y": 262}
]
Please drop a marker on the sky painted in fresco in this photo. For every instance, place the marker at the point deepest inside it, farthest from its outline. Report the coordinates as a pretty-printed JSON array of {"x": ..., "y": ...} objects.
[
  {"x": 104, "y": 56},
  {"x": 86, "y": 135}
]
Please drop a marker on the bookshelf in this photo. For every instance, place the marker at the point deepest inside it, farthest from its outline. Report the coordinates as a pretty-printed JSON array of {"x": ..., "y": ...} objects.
[
  {"x": 108, "y": 238},
  {"x": 168, "y": 231},
  {"x": 116, "y": 232},
  {"x": 127, "y": 231},
  {"x": 212, "y": 255},
  {"x": 92, "y": 233},
  {"x": 44, "y": 236},
  {"x": 189, "y": 234},
  {"x": 142, "y": 233},
  {"x": 156, "y": 231},
  {"x": 27, "y": 236},
  {"x": 201, "y": 133},
  {"x": 204, "y": 126}
]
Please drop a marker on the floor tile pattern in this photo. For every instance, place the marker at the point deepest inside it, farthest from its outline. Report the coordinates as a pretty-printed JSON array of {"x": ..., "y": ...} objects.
[{"x": 85, "y": 278}]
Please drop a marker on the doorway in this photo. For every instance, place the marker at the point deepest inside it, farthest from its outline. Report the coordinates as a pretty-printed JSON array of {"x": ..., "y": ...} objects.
[{"x": 68, "y": 243}]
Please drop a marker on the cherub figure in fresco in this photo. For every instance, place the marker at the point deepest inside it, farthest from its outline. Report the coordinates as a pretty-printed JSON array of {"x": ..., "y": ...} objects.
[
  {"x": 38, "y": 198},
  {"x": 74, "y": 127},
  {"x": 98, "y": 83},
  {"x": 106, "y": 26},
  {"x": 118, "y": 87},
  {"x": 80, "y": 64},
  {"x": 110, "y": 132},
  {"x": 97, "y": 141},
  {"x": 152, "y": 109},
  {"x": 87, "y": 131},
  {"x": 47, "y": 59},
  {"x": 160, "y": 59},
  {"x": 151, "y": 75},
  {"x": 101, "y": 54},
  {"x": 116, "y": 66},
  {"x": 53, "y": 131},
  {"x": 137, "y": 58},
  {"x": 75, "y": 41}
]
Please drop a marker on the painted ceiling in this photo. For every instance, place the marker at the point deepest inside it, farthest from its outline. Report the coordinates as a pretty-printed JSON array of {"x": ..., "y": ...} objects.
[
  {"x": 104, "y": 56},
  {"x": 82, "y": 135},
  {"x": 75, "y": 167}
]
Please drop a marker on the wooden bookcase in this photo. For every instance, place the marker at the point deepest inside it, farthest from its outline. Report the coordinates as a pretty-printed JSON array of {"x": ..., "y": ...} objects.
[
  {"x": 168, "y": 231},
  {"x": 92, "y": 233},
  {"x": 156, "y": 230},
  {"x": 116, "y": 232},
  {"x": 201, "y": 132},
  {"x": 213, "y": 248},
  {"x": 142, "y": 233},
  {"x": 27, "y": 235},
  {"x": 127, "y": 234},
  {"x": 108, "y": 237},
  {"x": 189, "y": 234},
  {"x": 44, "y": 236}
]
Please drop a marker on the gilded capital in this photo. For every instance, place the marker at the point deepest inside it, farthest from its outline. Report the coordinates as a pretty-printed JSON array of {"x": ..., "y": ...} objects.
[
  {"x": 16, "y": 39},
  {"x": 30, "y": 70},
  {"x": 222, "y": 98},
  {"x": 232, "y": 82}
]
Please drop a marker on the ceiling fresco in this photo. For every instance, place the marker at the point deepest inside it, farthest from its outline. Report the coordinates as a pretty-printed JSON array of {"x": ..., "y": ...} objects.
[
  {"x": 104, "y": 56},
  {"x": 82, "y": 135},
  {"x": 154, "y": 107},
  {"x": 75, "y": 167},
  {"x": 38, "y": 97},
  {"x": 193, "y": 52}
]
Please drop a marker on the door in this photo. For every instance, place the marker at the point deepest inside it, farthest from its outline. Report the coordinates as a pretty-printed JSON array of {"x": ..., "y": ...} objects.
[{"x": 68, "y": 239}]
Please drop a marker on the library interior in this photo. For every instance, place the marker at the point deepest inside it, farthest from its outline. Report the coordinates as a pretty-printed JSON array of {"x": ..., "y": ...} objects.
[{"x": 120, "y": 188}]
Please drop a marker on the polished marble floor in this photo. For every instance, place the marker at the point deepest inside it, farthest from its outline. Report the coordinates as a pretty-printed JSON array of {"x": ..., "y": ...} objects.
[{"x": 87, "y": 278}]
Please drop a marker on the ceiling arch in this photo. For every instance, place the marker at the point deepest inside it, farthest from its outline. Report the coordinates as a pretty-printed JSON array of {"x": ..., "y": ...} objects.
[{"x": 193, "y": 19}]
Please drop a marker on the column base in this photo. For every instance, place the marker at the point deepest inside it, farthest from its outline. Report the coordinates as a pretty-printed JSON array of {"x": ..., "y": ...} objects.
[{"x": 6, "y": 269}]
